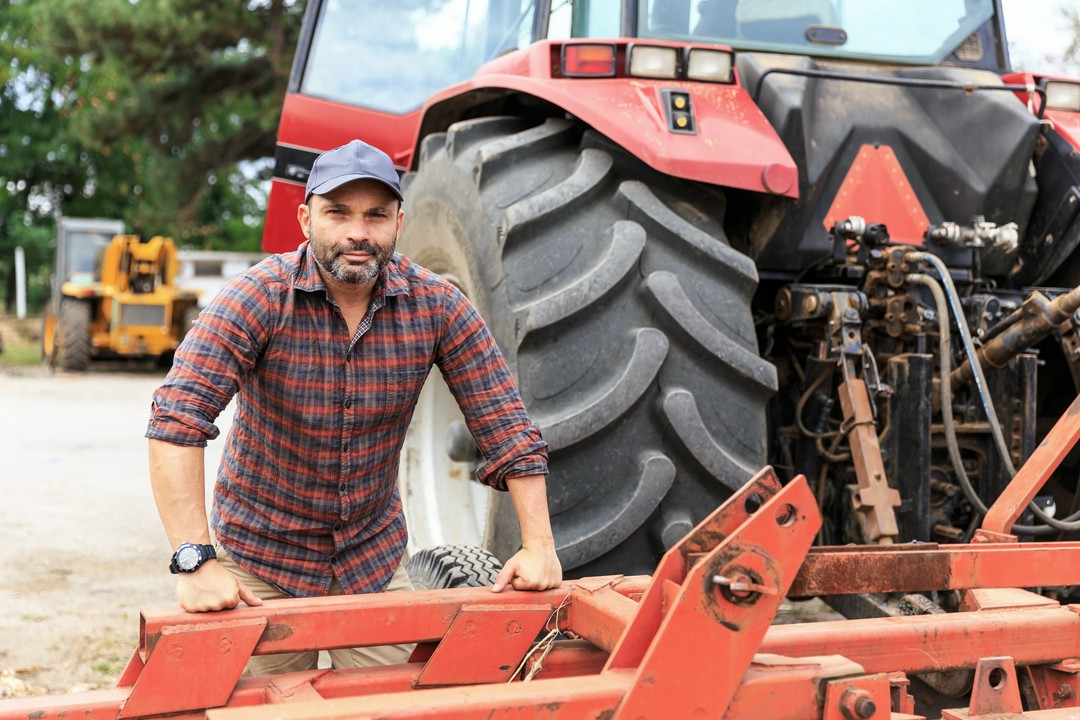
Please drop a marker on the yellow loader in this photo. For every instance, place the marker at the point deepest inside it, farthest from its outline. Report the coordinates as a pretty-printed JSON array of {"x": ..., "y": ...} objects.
[{"x": 113, "y": 296}]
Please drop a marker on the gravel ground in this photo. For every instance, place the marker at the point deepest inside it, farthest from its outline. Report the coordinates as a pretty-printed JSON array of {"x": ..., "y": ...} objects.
[{"x": 82, "y": 548}]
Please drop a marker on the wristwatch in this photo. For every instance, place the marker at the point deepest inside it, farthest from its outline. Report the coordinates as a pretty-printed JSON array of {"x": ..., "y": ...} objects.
[{"x": 189, "y": 556}]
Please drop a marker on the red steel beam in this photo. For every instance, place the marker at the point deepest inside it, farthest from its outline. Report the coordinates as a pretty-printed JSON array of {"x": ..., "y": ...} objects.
[
  {"x": 566, "y": 698},
  {"x": 494, "y": 639},
  {"x": 566, "y": 659},
  {"x": 927, "y": 643},
  {"x": 363, "y": 620},
  {"x": 600, "y": 616},
  {"x": 927, "y": 566}
]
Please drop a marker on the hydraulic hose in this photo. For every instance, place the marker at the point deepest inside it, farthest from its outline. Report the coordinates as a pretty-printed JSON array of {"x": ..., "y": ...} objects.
[
  {"x": 945, "y": 350},
  {"x": 969, "y": 350}
]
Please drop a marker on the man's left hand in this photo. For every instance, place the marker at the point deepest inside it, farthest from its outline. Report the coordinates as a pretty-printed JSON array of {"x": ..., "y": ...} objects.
[{"x": 530, "y": 569}]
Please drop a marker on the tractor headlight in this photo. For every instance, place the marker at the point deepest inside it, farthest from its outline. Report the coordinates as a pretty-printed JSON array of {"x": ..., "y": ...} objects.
[
  {"x": 1062, "y": 95},
  {"x": 710, "y": 65},
  {"x": 651, "y": 61}
]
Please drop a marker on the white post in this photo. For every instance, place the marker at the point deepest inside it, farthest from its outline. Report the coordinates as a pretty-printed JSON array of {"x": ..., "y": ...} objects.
[{"x": 20, "y": 283}]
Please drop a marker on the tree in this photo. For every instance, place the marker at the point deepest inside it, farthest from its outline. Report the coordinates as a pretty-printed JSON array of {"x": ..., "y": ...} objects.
[
  {"x": 157, "y": 112},
  {"x": 44, "y": 166},
  {"x": 185, "y": 88}
]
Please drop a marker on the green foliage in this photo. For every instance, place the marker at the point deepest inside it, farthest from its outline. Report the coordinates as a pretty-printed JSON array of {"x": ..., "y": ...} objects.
[
  {"x": 161, "y": 113},
  {"x": 1072, "y": 53}
]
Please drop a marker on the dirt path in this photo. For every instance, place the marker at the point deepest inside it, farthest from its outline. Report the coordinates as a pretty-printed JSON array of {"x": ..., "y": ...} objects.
[{"x": 81, "y": 547}]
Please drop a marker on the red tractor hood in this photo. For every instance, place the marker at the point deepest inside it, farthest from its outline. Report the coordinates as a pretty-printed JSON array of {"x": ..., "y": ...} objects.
[{"x": 734, "y": 144}]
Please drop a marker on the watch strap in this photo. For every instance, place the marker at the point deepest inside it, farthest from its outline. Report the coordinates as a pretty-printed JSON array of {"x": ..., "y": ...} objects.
[{"x": 206, "y": 552}]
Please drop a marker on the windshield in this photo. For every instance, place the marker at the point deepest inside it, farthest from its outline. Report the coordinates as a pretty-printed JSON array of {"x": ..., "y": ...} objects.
[
  {"x": 391, "y": 56},
  {"x": 85, "y": 250},
  {"x": 915, "y": 31}
]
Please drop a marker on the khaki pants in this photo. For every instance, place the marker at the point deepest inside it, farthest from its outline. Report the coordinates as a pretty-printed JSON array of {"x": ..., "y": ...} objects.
[{"x": 340, "y": 658}]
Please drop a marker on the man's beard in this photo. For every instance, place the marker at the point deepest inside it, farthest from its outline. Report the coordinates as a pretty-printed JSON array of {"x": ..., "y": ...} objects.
[{"x": 331, "y": 260}]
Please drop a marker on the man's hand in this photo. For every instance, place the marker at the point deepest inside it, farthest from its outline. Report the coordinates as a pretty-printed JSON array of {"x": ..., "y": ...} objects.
[
  {"x": 212, "y": 587},
  {"x": 530, "y": 569},
  {"x": 535, "y": 566}
]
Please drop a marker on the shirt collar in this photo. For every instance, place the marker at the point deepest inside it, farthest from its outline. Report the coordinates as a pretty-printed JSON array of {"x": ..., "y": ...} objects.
[{"x": 392, "y": 282}]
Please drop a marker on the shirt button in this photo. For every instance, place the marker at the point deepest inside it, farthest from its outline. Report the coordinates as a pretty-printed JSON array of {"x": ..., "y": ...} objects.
[
  {"x": 345, "y": 447},
  {"x": 348, "y": 403},
  {"x": 337, "y": 527}
]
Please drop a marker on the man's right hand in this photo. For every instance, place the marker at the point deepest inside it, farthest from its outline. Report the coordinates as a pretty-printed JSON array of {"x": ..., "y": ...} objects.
[{"x": 212, "y": 587}]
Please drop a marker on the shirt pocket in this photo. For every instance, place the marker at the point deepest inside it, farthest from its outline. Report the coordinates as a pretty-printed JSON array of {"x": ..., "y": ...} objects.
[{"x": 402, "y": 388}]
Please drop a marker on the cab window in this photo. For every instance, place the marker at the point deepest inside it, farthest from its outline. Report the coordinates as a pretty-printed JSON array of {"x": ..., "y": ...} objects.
[{"x": 391, "y": 56}]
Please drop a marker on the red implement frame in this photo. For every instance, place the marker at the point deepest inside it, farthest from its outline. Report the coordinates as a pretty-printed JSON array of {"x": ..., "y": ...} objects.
[{"x": 694, "y": 641}]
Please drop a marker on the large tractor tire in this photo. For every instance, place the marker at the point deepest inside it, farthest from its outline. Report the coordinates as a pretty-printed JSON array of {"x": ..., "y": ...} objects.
[
  {"x": 72, "y": 338},
  {"x": 624, "y": 315}
]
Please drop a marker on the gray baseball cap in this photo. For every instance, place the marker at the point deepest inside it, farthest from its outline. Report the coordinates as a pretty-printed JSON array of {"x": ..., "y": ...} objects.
[{"x": 355, "y": 160}]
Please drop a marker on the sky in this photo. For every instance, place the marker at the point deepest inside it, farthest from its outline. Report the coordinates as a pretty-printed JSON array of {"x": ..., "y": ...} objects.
[{"x": 1038, "y": 35}]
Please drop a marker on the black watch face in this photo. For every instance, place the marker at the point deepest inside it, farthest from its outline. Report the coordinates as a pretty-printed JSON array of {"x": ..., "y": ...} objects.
[{"x": 187, "y": 558}]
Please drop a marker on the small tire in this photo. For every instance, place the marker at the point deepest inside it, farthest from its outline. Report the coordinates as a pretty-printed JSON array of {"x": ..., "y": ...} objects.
[
  {"x": 72, "y": 345},
  {"x": 452, "y": 566}
]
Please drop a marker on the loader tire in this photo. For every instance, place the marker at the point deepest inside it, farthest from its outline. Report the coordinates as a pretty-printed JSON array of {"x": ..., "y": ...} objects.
[
  {"x": 452, "y": 566},
  {"x": 624, "y": 315},
  {"x": 72, "y": 342}
]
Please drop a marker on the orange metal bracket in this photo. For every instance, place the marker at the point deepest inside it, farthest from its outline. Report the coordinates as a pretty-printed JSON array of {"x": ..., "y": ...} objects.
[
  {"x": 496, "y": 639},
  {"x": 1030, "y": 478},
  {"x": 874, "y": 500},
  {"x": 764, "y": 554},
  {"x": 1056, "y": 685},
  {"x": 996, "y": 692},
  {"x": 168, "y": 684}
]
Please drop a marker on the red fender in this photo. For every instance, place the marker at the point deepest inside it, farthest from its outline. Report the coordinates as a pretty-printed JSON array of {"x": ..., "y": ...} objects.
[{"x": 1065, "y": 122}]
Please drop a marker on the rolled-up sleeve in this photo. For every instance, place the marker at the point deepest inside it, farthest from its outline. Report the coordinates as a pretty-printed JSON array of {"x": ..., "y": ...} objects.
[
  {"x": 219, "y": 350},
  {"x": 477, "y": 375}
]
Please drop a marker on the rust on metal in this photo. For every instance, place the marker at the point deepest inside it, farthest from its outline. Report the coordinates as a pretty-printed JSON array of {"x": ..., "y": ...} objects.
[
  {"x": 874, "y": 500},
  {"x": 927, "y": 566},
  {"x": 276, "y": 632}
]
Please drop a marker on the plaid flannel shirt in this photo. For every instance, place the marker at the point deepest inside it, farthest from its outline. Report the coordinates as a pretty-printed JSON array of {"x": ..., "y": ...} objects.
[{"x": 307, "y": 486}]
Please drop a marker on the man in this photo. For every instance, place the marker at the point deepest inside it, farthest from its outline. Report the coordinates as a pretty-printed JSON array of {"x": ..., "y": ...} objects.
[{"x": 326, "y": 349}]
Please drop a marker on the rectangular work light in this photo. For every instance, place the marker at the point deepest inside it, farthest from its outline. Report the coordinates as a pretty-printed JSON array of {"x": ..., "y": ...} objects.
[
  {"x": 651, "y": 61},
  {"x": 710, "y": 65},
  {"x": 1062, "y": 95}
]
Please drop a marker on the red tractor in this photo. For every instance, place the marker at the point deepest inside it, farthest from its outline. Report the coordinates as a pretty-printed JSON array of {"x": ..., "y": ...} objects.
[{"x": 835, "y": 237}]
